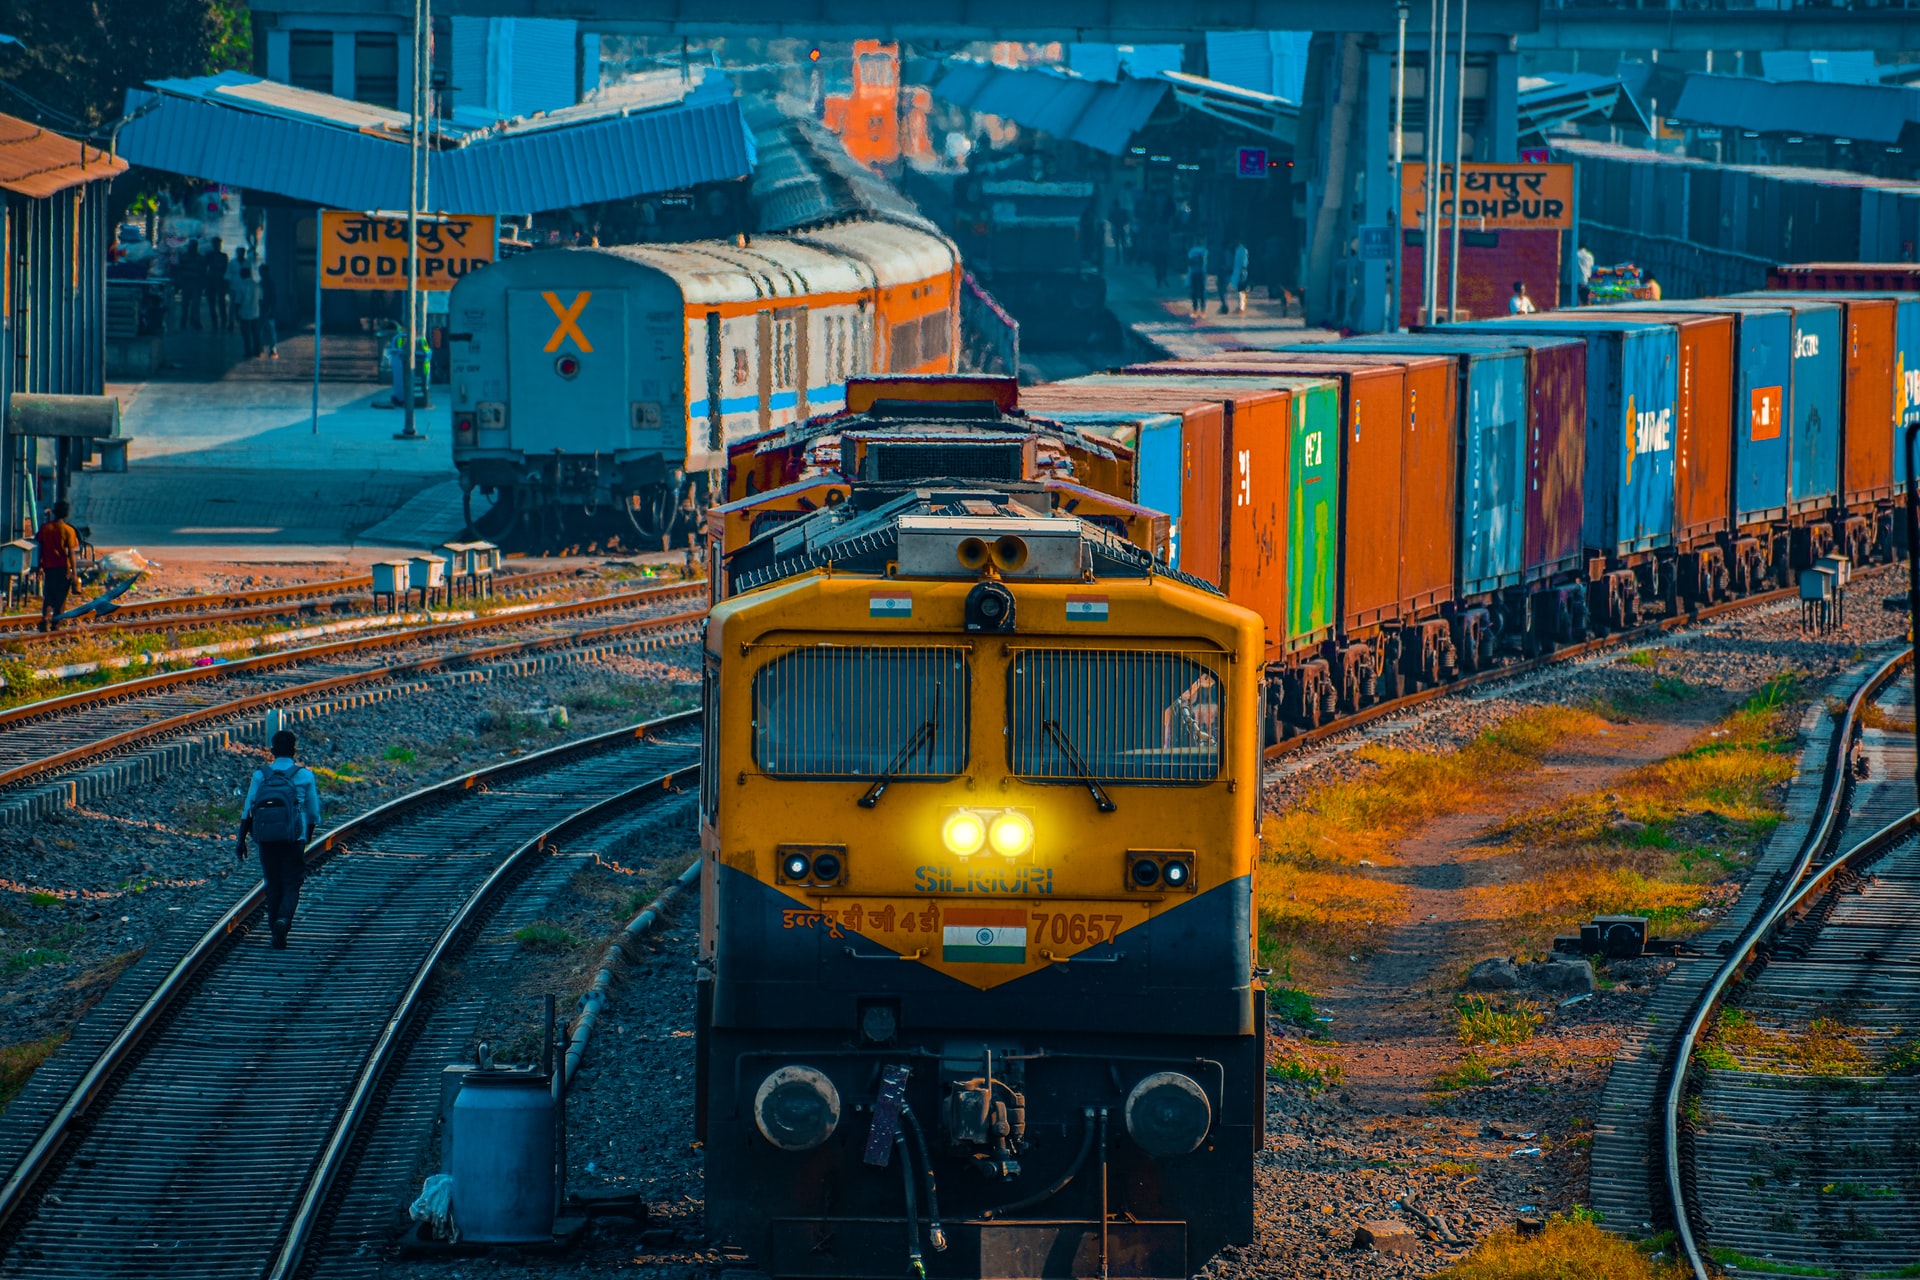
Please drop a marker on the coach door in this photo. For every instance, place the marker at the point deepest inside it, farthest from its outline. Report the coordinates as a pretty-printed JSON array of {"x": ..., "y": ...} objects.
[{"x": 568, "y": 365}]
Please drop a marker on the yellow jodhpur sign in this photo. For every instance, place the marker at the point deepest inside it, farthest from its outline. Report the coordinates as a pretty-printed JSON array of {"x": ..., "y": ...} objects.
[
  {"x": 369, "y": 251},
  {"x": 1498, "y": 197}
]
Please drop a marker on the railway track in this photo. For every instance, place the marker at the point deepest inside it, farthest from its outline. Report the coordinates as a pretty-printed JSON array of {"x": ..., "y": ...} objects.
[
  {"x": 204, "y": 1120},
  {"x": 314, "y": 599},
  {"x": 41, "y": 738},
  {"x": 1788, "y": 1137}
]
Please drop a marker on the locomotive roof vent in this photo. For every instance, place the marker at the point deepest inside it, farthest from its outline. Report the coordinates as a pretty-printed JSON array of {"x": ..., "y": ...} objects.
[
  {"x": 951, "y": 459},
  {"x": 962, "y": 546}
]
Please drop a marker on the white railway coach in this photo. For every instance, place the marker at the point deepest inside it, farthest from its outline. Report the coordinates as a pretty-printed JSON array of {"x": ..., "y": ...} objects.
[{"x": 587, "y": 380}]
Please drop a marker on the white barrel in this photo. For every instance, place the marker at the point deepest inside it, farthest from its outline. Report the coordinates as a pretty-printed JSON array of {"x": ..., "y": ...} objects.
[{"x": 503, "y": 1190}]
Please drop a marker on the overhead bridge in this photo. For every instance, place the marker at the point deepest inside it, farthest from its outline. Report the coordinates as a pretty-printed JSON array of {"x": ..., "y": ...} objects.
[
  {"x": 1116, "y": 21},
  {"x": 1720, "y": 24}
]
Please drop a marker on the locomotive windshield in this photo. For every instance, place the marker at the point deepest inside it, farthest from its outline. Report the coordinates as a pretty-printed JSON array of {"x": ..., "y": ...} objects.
[
  {"x": 1125, "y": 715},
  {"x": 862, "y": 712}
]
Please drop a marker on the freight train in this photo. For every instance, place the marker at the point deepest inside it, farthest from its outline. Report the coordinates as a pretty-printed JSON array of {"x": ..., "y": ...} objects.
[
  {"x": 610, "y": 379},
  {"x": 976, "y": 994},
  {"x": 1400, "y": 509}
]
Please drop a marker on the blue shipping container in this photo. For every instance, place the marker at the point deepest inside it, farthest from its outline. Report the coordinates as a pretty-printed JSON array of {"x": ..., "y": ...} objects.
[
  {"x": 1813, "y": 398},
  {"x": 1632, "y": 396},
  {"x": 1763, "y": 374},
  {"x": 1492, "y": 450},
  {"x": 1155, "y": 441}
]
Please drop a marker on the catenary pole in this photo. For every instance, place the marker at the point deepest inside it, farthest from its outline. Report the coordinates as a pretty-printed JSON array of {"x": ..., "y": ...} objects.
[
  {"x": 1459, "y": 167},
  {"x": 1400, "y": 8}
]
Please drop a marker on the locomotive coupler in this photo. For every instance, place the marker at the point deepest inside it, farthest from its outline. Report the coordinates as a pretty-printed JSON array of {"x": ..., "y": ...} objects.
[{"x": 988, "y": 1116}]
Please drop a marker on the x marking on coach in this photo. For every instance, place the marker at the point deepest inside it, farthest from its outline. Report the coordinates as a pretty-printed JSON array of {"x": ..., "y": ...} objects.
[{"x": 569, "y": 326}]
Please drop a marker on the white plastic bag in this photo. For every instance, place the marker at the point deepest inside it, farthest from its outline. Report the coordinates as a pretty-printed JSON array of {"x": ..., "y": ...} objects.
[{"x": 435, "y": 1207}]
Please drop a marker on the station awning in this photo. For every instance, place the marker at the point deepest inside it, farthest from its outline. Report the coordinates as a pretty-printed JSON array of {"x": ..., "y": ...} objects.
[
  {"x": 246, "y": 132},
  {"x": 37, "y": 163},
  {"x": 1870, "y": 112},
  {"x": 1098, "y": 114}
]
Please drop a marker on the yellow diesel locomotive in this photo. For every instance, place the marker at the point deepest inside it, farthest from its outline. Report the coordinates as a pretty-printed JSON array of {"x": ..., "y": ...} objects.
[{"x": 979, "y": 809}]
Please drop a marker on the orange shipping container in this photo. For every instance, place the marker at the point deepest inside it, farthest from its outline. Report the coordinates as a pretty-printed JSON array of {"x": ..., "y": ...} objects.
[
  {"x": 1703, "y": 425},
  {"x": 1866, "y": 472},
  {"x": 1427, "y": 479},
  {"x": 1373, "y": 423},
  {"x": 1253, "y": 561},
  {"x": 1200, "y": 533}
]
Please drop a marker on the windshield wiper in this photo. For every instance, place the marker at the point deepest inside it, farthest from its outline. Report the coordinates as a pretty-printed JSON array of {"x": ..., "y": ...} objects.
[
  {"x": 925, "y": 733},
  {"x": 928, "y": 732},
  {"x": 1074, "y": 758}
]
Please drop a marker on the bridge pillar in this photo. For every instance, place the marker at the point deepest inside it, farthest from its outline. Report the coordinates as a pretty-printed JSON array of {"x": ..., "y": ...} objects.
[{"x": 1347, "y": 131}]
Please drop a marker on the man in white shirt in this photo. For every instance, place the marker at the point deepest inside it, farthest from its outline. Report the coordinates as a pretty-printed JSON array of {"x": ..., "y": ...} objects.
[{"x": 1520, "y": 304}]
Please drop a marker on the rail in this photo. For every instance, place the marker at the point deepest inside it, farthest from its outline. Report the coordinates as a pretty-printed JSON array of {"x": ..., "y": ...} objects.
[
  {"x": 17, "y": 629},
  {"x": 211, "y": 946},
  {"x": 1797, "y": 889},
  {"x": 358, "y": 644},
  {"x": 371, "y": 675}
]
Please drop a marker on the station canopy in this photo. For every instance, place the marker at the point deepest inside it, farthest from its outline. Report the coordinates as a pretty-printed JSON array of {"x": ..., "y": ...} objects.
[
  {"x": 1103, "y": 115},
  {"x": 37, "y": 163},
  {"x": 650, "y": 134}
]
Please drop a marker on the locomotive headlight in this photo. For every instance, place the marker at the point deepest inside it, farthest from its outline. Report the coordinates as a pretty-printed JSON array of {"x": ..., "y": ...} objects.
[
  {"x": 964, "y": 832},
  {"x": 1010, "y": 833}
]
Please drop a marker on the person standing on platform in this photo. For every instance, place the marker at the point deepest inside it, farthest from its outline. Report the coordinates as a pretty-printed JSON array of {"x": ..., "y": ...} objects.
[
  {"x": 1520, "y": 304},
  {"x": 269, "y": 307},
  {"x": 219, "y": 305},
  {"x": 1197, "y": 277},
  {"x": 59, "y": 557},
  {"x": 282, "y": 813},
  {"x": 191, "y": 275},
  {"x": 246, "y": 306},
  {"x": 1234, "y": 280}
]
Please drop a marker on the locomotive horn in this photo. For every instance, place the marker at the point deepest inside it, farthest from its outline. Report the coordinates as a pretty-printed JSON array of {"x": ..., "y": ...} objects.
[
  {"x": 973, "y": 553},
  {"x": 1009, "y": 553}
]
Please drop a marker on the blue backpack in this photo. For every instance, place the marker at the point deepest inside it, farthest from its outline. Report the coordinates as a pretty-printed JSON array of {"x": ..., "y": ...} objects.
[{"x": 276, "y": 808}]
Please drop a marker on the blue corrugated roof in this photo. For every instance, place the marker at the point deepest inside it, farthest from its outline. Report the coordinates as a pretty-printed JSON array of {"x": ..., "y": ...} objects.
[
  {"x": 1102, "y": 116},
  {"x": 1873, "y": 113},
  {"x": 343, "y": 155}
]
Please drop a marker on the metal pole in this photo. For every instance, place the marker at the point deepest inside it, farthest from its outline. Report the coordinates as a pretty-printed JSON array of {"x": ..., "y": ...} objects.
[
  {"x": 319, "y": 221},
  {"x": 416, "y": 147},
  {"x": 1459, "y": 162},
  {"x": 1400, "y": 8},
  {"x": 1913, "y": 578},
  {"x": 1436, "y": 157}
]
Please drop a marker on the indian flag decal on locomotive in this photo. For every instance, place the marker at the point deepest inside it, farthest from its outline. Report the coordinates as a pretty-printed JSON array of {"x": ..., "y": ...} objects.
[
  {"x": 1086, "y": 608},
  {"x": 890, "y": 604},
  {"x": 984, "y": 935}
]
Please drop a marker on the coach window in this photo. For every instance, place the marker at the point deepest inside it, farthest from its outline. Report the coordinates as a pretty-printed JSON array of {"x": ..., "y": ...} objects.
[
  {"x": 863, "y": 712},
  {"x": 1113, "y": 715}
]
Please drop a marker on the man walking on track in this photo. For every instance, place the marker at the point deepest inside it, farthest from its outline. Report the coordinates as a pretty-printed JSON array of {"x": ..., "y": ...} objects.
[
  {"x": 282, "y": 813},
  {"x": 59, "y": 556}
]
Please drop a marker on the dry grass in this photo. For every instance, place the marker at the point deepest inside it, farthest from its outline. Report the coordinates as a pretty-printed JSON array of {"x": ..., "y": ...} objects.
[
  {"x": 1824, "y": 1047},
  {"x": 1569, "y": 1249},
  {"x": 1655, "y": 839},
  {"x": 18, "y": 1062},
  {"x": 1315, "y": 896}
]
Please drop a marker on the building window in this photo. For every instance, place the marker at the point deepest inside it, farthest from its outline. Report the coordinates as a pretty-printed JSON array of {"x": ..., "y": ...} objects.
[
  {"x": 310, "y": 60},
  {"x": 376, "y": 68}
]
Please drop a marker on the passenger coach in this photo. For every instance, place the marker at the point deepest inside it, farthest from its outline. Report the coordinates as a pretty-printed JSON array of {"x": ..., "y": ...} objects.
[{"x": 596, "y": 379}]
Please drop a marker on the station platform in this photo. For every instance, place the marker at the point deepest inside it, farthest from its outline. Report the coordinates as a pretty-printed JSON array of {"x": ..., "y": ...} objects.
[
  {"x": 239, "y": 461},
  {"x": 1160, "y": 324}
]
